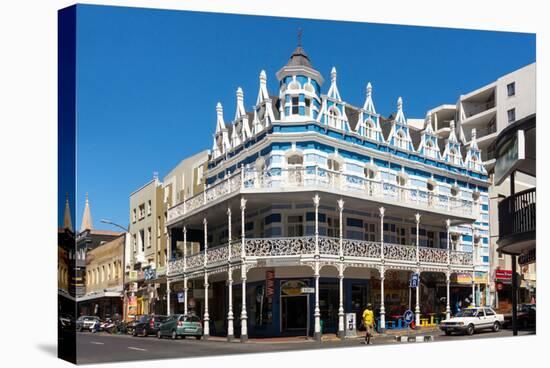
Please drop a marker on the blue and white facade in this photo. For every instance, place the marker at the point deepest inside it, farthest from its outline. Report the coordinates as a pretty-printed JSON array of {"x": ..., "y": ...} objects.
[{"x": 314, "y": 207}]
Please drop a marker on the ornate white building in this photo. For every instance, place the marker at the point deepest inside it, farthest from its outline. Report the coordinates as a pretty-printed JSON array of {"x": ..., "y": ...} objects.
[{"x": 313, "y": 207}]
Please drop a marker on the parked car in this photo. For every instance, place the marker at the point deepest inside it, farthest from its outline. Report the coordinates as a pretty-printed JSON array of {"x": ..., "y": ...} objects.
[
  {"x": 526, "y": 317},
  {"x": 130, "y": 326},
  {"x": 148, "y": 325},
  {"x": 181, "y": 325},
  {"x": 470, "y": 320},
  {"x": 86, "y": 322}
]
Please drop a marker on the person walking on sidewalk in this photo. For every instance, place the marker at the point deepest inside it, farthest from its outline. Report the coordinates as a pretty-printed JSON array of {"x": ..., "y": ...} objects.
[{"x": 368, "y": 322}]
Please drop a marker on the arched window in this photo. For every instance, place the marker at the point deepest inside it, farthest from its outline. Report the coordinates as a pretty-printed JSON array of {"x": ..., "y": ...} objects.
[
  {"x": 455, "y": 190},
  {"x": 429, "y": 148},
  {"x": 294, "y": 85},
  {"x": 295, "y": 160},
  {"x": 401, "y": 139},
  {"x": 369, "y": 129},
  {"x": 308, "y": 87},
  {"x": 370, "y": 173},
  {"x": 333, "y": 164},
  {"x": 401, "y": 179},
  {"x": 333, "y": 117},
  {"x": 474, "y": 162},
  {"x": 454, "y": 156}
]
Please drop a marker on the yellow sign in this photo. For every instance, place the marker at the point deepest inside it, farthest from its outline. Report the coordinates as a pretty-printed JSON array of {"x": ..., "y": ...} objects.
[{"x": 292, "y": 287}]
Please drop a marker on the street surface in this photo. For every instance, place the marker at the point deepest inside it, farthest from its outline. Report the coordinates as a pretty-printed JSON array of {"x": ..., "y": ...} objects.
[{"x": 101, "y": 348}]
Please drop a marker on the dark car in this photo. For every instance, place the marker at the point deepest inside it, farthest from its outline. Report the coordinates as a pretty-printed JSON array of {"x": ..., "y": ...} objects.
[
  {"x": 527, "y": 316},
  {"x": 148, "y": 325}
]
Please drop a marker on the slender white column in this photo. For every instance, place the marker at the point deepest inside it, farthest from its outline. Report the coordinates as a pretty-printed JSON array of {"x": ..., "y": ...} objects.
[
  {"x": 244, "y": 316},
  {"x": 417, "y": 306},
  {"x": 382, "y": 307},
  {"x": 317, "y": 310},
  {"x": 474, "y": 259},
  {"x": 382, "y": 212},
  {"x": 185, "y": 289},
  {"x": 206, "y": 329},
  {"x": 230, "y": 329},
  {"x": 448, "y": 306},
  {"x": 448, "y": 223},
  {"x": 341, "y": 332},
  {"x": 168, "y": 257},
  {"x": 417, "y": 218}
]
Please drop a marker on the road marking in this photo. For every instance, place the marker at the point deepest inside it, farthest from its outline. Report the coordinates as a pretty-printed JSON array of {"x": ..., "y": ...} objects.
[
  {"x": 97, "y": 343},
  {"x": 133, "y": 348}
]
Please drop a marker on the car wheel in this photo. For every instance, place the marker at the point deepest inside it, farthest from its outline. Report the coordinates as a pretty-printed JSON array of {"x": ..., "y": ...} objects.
[
  {"x": 470, "y": 330},
  {"x": 448, "y": 333},
  {"x": 134, "y": 333},
  {"x": 174, "y": 336},
  {"x": 496, "y": 327},
  {"x": 159, "y": 335}
]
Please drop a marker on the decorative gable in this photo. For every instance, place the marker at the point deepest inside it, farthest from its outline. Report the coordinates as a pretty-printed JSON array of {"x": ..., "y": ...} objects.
[
  {"x": 428, "y": 143},
  {"x": 400, "y": 136},
  {"x": 368, "y": 123},
  {"x": 333, "y": 109},
  {"x": 452, "y": 152}
]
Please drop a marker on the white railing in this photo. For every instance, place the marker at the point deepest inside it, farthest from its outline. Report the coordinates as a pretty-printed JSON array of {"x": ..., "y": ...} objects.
[
  {"x": 316, "y": 177},
  {"x": 328, "y": 246}
]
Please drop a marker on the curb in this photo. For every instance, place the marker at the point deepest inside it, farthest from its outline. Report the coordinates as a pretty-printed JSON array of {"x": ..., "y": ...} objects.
[{"x": 425, "y": 338}]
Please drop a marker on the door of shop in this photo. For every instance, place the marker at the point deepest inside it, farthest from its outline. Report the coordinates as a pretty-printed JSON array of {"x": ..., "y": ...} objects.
[{"x": 294, "y": 314}]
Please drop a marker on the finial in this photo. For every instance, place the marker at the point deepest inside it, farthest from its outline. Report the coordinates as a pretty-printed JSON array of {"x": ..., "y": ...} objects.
[
  {"x": 239, "y": 93},
  {"x": 474, "y": 134},
  {"x": 300, "y": 32},
  {"x": 399, "y": 103},
  {"x": 219, "y": 108},
  {"x": 333, "y": 75},
  {"x": 155, "y": 175},
  {"x": 263, "y": 76},
  {"x": 369, "y": 89},
  {"x": 86, "y": 197}
]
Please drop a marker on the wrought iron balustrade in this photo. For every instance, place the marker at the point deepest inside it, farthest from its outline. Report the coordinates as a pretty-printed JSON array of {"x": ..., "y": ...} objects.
[
  {"x": 320, "y": 178},
  {"x": 517, "y": 214}
]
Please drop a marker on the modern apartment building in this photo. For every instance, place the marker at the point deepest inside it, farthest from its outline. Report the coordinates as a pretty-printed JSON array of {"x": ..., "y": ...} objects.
[{"x": 483, "y": 114}]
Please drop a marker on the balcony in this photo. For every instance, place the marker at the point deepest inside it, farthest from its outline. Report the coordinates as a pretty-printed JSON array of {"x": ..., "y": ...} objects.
[
  {"x": 517, "y": 221},
  {"x": 314, "y": 178},
  {"x": 282, "y": 250}
]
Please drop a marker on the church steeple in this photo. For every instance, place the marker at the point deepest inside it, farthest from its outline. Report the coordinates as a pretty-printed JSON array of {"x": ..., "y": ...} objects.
[
  {"x": 67, "y": 222},
  {"x": 86, "y": 217}
]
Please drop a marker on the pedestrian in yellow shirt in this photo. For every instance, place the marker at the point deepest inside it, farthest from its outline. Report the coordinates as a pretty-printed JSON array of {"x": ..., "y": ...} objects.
[{"x": 368, "y": 321}]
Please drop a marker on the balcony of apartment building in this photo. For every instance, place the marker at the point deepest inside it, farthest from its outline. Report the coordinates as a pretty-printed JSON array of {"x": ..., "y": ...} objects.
[
  {"x": 517, "y": 221},
  {"x": 441, "y": 117},
  {"x": 478, "y": 108}
]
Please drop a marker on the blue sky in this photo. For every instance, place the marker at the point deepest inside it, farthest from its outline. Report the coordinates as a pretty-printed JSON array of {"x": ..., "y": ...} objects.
[{"x": 148, "y": 81}]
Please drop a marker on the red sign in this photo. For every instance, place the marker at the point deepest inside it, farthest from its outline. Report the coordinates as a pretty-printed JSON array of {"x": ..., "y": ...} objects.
[
  {"x": 270, "y": 283},
  {"x": 504, "y": 275}
]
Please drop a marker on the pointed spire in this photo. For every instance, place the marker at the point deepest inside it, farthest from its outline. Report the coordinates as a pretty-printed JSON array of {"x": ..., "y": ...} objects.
[
  {"x": 429, "y": 128},
  {"x": 240, "y": 104},
  {"x": 452, "y": 134},
  {"x": 369, "y": 104},
  {"x": 67, "y": 222},
  {"x": 220, "y": 124},
  {"x": 263, "y": 77},
  {"x": 87, "y": 216},
  {"x": 333, "y": 90},
  {"x": 400, "y": 117}
]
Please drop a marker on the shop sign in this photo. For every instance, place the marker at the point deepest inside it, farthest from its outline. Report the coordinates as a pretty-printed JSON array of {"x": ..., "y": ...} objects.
[
  {"x": 528, "y": 258},
  {"x": 480, "y": 277},
  {"x": 350, "y": 324},
  {"x": 270, "y": 283},
  {"x": 161, "y": 270},
  {"x": 307, "y": 290},
  {"x": 132, "y": 275},
  {"x": 180, "y": 297},
  {"x": 503, "y": 275},
  {"x": 293, "y": 287},
  {"x": 279, "y": 262},
  {"x": 464, "y": 278},
  {"x": 150, "y": 274}
]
